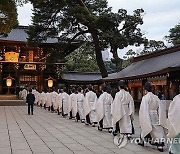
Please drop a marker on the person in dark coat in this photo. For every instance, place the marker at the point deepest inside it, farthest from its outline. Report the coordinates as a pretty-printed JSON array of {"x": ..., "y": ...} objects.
[{"x": 30, "y": 100}]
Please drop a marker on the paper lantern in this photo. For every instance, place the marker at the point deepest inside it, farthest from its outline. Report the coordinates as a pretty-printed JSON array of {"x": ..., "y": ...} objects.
[
  {"x": 50, "y": 83},
  {"x": 8, "y": 82}
]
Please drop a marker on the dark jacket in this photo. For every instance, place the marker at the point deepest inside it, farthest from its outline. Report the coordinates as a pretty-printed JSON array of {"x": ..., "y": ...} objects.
[{"x": 30, "y": 98}]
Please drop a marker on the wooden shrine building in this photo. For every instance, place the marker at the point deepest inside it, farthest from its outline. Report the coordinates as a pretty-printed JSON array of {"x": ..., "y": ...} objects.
[
  {"x": 82, "y": 79},
  {"x": 161, "y": 68},
  {"x": 26, "y": 63}
]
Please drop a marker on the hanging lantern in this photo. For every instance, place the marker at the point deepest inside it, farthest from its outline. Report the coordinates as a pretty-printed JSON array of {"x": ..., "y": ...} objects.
[
  {"x": 8, "y": 82},
  {"x": 50, "y": 83}
]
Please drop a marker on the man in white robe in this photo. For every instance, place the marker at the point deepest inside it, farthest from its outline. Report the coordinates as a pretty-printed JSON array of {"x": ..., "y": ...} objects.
[
  {"x": 43, "y": 99},
  {"x": 65, "y": 102},
  {"x": 123, "y": 111},
  {"x": 73, "y": 104},
  {"x": 39, "y": 98},
  {"x": 20, "y": 94},
  {"x": 80, "y": 101},
  {"x": 103, "y": 109},
  {"x": 89, "y": 106},
  {"x": 54, "y": 95},
  {"x": 150, "y": 119},
  {"x": 174, "y": 125},
  {"x": 24, "y": 94},
  {"x": 48, "y": 101},
  {"x": 59, "y": 102}
]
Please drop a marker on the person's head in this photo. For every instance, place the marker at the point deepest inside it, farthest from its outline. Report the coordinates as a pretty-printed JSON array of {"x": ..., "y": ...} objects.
[
  {"x": 53, "y": 89},
  {"x": 64, "y": 89},
  {"x": 30, "y": 90},
  {"x": 148, "y": 87},
  {"x": 122, "y": 84},
  {"x": 79, "y": 89},
  {"x": 104, "y": 87},
  {"x": 90, "y": 87},
  {"x": 73, "y": 90}
]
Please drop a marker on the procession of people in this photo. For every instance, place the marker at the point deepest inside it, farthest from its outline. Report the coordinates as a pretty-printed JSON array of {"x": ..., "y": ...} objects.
[{"x": 115, "y": 115}]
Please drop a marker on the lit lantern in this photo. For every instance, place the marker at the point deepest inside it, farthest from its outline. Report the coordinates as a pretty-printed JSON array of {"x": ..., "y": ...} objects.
[
  {"x": 8, "y": 82},
  {"x": 50, "y": 83}
]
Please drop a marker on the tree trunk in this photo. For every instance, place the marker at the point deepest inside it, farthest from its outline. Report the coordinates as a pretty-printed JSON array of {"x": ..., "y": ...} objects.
[
  {"x": 99, "y": 54},
  {"x": 118, "y": 61},
  {"x": 94, "y": 35}
]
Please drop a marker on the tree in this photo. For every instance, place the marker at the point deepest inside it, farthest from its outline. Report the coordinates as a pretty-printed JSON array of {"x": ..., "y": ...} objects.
[
  {"x": 70, "y": 19},
  {"x": 120, "y": 31},
  {"x": 128, "y": 56},
  {"x": 110, "y": 66},
  {"x": 174, "y": 36},
  {"x": 82, "y": 60},
  {"x": 151, "y": 46},
  {"x": 85, "y": 20},
  {"x": 8, "y": 16}
]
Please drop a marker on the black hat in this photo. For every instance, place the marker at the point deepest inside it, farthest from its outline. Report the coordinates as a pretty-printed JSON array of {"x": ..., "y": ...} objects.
[
  {"x": 147, "y": 86},
  {"x": 122, "y": 83}
]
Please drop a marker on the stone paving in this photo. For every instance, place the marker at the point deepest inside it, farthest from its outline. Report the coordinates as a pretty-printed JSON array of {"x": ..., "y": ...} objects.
[{"x": 49, "y": 133}]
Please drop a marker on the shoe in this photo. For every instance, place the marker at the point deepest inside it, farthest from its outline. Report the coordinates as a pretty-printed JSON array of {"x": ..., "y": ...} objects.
[
  {"x": 160, "y": 148},
  {"x": 129, "y": 136},
  {"x": 114, "y": 133},
  {"x": 86, "y": 123},
  {"x": 93, "y": 125},
  {"x": 82, "y": 121},
  {"x": 141, "y": 144},
  {"x": 99, "y": 128},
  {"x": 110, "y": 130}
]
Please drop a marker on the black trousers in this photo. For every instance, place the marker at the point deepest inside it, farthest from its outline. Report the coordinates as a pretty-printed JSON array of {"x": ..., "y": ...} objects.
[
  {"x": 77, "y": 116},
  {"x": 70, "y": 115},
  {"x": 30, "y": 107},
  {"x": 101, "y": 123},
  {"x": 88, "y": 119}
]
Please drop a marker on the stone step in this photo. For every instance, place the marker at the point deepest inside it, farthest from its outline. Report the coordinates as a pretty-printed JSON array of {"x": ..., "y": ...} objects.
[
  {"x": 8, "y": 97},
  {"x": 12, "y": 102}
]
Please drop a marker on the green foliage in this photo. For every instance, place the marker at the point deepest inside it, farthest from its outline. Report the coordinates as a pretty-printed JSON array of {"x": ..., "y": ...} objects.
[
  {"x": 119, "y": 30},
  {"x": 82, "y": 60},
  {"x": 8, "y": 13},
  {"x": 127, "y": 58},
  {"x": 111, "y": 67},
  {"x": 152, "y": 45},
  {"x": 174, "y": 35},
  {"x": 86, "y": 20}
]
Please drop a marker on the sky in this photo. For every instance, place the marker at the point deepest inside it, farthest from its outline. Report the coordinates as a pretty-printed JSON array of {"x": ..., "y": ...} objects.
[{"x": 159, "y": 16}]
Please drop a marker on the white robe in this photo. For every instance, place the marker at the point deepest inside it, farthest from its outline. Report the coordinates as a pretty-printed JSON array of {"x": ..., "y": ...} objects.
[
  {"x": 80, "y": 102},
  {"x": 53, "y": 100},
  {"x": 48, "y": 100},
  {"x": 122, "y": 110},
  {"x": 103, "y": 109},
  {"x": 173, "y": 117},
  {"x": 35, "y": 92},
  {"x": 20, "y": 94},
  {"x": 24, "y": 94},
  {"x": 73, "y": 104},
  {"x": 39, "y": 98},
  {"x": 59, "y": 101},
  {"x": 65, "y": 102},
  {"x": 149, "y": 117},
  {"x": 43, "y": 98},
  {"x": 89, "y": 105}
]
